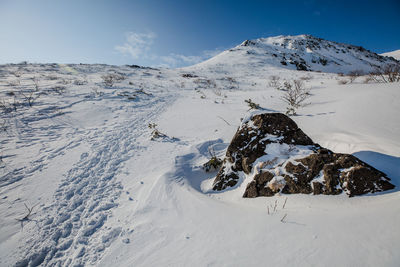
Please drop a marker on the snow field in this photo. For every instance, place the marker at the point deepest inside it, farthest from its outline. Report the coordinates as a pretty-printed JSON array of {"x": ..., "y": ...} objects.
[{"x": 108, "y": 195}]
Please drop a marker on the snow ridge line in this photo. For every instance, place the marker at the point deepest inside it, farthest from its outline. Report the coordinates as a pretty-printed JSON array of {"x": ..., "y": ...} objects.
[{"x": 66, "y": 231}]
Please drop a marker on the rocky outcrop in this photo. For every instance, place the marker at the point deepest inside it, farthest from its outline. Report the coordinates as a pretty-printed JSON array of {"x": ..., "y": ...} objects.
[{"x": 279, "y": 157}]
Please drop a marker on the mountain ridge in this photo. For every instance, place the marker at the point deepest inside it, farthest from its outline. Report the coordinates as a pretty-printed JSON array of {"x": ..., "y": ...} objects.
[
  {"x": 394, "y": 54},
  {"x": 300, "y": 52}
]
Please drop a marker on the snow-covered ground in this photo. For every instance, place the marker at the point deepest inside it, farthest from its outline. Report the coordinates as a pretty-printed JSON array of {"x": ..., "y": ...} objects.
[{"x": 103, "y": 193}]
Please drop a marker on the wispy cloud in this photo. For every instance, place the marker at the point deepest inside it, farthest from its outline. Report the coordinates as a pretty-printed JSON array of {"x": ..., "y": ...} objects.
[
  {"x": 176, "y": 60},
  {"x": 136, "y": 44},
  {"x": 212, "y": 53}
]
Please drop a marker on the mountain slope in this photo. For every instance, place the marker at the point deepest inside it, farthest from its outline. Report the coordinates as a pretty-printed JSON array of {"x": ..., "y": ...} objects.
[
  {"x": 395, "y": 54},
  {"x": 104, "y": 189},
  {"x": 301, "y": 52}
]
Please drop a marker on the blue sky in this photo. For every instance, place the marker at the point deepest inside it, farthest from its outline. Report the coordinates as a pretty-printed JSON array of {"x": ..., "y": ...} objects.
[{"x": 177, "y": 33}]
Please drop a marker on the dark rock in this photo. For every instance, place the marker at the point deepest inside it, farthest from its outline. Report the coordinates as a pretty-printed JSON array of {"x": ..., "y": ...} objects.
[
  {"x": 323, "y": 61},
  {"x": 250, "y": 141},
  {"x": 189, "y": 75},
  {"x": 251, "y": 190},
  {"x": 263, "y": 178},
  {"x": 223, "y": 181},
  {"x": 248, "y": 43},
  {"x": 317, "y": 188},
  {"x": 319, "y": 172},
  {"x": 301, "y": 66},
  {"x": 257, "y": 187}
]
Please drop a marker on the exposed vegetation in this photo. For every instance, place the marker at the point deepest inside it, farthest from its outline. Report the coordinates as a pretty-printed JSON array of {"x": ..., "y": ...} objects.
[
  {"x": 252, "y": 105},
  {"x": 295, "y": 96}
]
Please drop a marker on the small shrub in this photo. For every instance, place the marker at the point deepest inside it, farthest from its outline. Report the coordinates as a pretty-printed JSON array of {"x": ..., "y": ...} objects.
[
  {"x": 36, "y": 83},
  {"x": 155, "y": 132},
  {"x": 232, "y": 83},
  {"x": 29, "y": 97},
  {"x": 389, "y": 74},
  {"x": 306, "y": 78},
  {"x": 285, "y": 86},
  {"x": 59, "y": 89},
  {"x": 213, "y": 164},
  {"x": 251, "y": 104},
  {"x": 368, "y": 79},
  {"x": 274, "y": 81},
  {"x": 393, "y": 73},
  {"x": 3, "y": 128},
  {"x": 5, "y": 106},
  {"x": 110, "y": 78},
  {"x": 295, "y": 96},
  {"x": 127, "y": 95},
  {"x": 80, "y": 82},
  {"x": 202, "y": 94},
  {"x": 354, "y": 74},
  {"x": 205, "y": 83}
]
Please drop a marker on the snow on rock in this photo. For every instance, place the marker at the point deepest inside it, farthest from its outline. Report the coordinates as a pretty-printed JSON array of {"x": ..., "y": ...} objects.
[
  {"x": 301, "y": 52},
  {"x": 257, "y": 142}
]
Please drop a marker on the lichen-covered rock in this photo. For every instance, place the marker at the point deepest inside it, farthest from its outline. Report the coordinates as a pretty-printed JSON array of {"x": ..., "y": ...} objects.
[{"x": 270, "y": 149}]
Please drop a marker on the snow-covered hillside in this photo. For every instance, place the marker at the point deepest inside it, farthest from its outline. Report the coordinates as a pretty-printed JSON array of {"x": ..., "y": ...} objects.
[
  {"x": 302, "y": 52},
  {"x": 105, "y": 189},
  {"x": 395, "y": 54}
]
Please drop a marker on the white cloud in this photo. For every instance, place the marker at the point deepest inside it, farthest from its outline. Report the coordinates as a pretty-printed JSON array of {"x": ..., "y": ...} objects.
[
  {"x": 177, "y": 60},
  {"x": 136, "y": 44},
  {"x": 212, "y": 53}
]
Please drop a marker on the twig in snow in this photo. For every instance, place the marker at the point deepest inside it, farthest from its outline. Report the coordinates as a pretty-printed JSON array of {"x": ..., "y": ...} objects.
[
  {"x": 30, "y": 98},
  {"x": 26, "y": 217},
  {"x": 284, "y": 204},
  {"x": 275, "y": 205},
  {"x": 224, "y": 120},
  {"x": 283, "y": 218}
]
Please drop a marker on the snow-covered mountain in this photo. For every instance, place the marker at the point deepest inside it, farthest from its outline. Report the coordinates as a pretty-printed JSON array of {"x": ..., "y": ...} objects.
[
  {"x": 395, "y": 54},
  {"x": 301, "y": 52},
  {"x": 103, "y": 165}
]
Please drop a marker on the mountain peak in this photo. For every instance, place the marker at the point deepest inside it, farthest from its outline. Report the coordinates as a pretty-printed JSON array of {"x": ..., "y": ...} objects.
[{"x": 301, "y": 52}]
